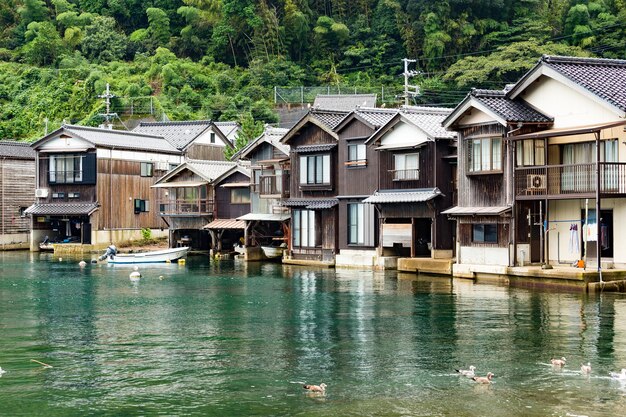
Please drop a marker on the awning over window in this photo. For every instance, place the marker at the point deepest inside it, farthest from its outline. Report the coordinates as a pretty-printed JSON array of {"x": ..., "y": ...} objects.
[
  {"x": 312, "y": 204},
  {"x": 568, "y": 131},
  {"x": 180, "y": 184},
  {"x": 322, "y": 147},
  {"x": 61, "y": 209},
  {"x": 226, "y": 224},
  {"x": 267, "y": 217},
  {"x": 403, "y": 196},
  {"x": 400, "y": 146},
  {"x": 236, "y": 185},
  {"x": 476, "y": 211}
]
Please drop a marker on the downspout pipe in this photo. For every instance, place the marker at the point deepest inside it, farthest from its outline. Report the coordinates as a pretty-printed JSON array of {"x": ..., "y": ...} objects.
[{"x": 511, "y": 153}]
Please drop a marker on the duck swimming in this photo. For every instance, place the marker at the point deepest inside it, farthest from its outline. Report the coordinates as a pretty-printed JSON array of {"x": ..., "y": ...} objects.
[
  {"x": 483, "y": 379},
  {"x": 467, "y": 372},
  {"x": 315, "y": 388}
]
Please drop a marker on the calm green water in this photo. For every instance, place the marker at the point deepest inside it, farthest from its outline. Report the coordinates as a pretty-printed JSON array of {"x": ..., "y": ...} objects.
[{"x": 238, "y": 340}]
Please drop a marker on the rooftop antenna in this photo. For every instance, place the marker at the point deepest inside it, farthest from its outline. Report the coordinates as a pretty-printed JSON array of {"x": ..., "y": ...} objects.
[{"x": 108, "y": 115}]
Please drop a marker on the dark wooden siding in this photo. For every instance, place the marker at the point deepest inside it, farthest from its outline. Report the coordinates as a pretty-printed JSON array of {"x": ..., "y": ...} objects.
[
  {"x": 119, "y": 184},
  {"x": 312, "y": 135},
  {"x": 356, "y": 180},
  {"x": 426, "y": 179},
  {"x": 344, "y": 226},
  {"x": 87, "y": 191},
  {"x": 481, "y": 190},
  {"x": 205, "y": 152},
  {"x": 465, "y": 234},
  {"x": 224, "y": 208},
  {"x": 17, "y": 191}
]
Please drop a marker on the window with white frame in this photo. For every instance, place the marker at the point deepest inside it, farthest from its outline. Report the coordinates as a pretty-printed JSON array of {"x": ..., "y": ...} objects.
[
  {"x": 315, "y": 169},
  {"x": 484, "y": 155},
  {"x": 356, "y": 224},
  {"x": 406, "y": 167},
  {"x": 357, "y": 155},
  {"x": 304, "y": 228},
  {"x": 66, "y": 169}
]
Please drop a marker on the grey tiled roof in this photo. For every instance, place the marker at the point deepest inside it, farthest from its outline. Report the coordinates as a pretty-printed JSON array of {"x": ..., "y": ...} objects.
[
  {"x": 330, "y": 118},
  {"x": 322, "y": 147},
  {"x": 376, "y": 117},
  {"x": 312, "y": 204},
  {"x": 16, "y": 150},
  {"x": 181, "y": 133},
  {"x": 429, "y": 119},
  {"x": 210, "y": 170},
  {"x": 60, "y": 209},
  {"x": 605, "y": 78},
  {"x": 122, "y": 139},
  {"x": 509, "y": 110},
  {"x": 403, "y": 196},
  {"x": 345, "y": 102},
  {"x": 271, "y": 135}
]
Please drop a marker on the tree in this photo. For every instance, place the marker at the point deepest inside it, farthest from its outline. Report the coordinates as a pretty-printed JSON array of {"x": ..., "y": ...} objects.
[
  {"x": 102, "y": 41},
  {"x": 44, "y": 43},
  {"x": 33, "y": 11},
  {"x": 296, "y": 25},
  {"x": 158, "y": 27}
]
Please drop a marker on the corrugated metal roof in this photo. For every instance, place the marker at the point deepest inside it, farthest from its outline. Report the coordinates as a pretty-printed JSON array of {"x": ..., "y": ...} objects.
[
  {"x": 226, "y": 224},
  {"x": 62, "y": 209},
  {"x": 16, "y": 150},
  {"x": 345, "y": 102},
  {"x": 322, "y": 147},
  {"x": 478, "y": 211},
  {"x": 312, "y": 204},
  {"x": 403, "y": 196},
  {"x": 268, "y": 217},
  {"x": 121, "y": 139}
]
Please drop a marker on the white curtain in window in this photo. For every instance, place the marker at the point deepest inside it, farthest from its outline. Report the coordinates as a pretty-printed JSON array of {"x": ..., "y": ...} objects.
[
  {"x": 303, "y": 170},
  {"x": 496, "y": 154},
  {"x": 326, "y": 169},
  {"x": 304, "y": 222},
  {"x": 476, "y": 155},
  {"x": 311, "y": 231},
  {"x": 296, "y": 227}
]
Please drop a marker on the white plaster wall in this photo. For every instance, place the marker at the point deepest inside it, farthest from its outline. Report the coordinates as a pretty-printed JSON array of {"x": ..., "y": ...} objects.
[
  {"x": 138, "y": 156},
  {"x": 404, "y": 134},
  {"x": 205, "y": 138},
  {"x": 65, "y": 145},
  {"x": 103, "y": 238},
  {"x": 568, "y": 106},
  {"x": 484, "y": 256},
  {"x": 11, "y": 238},
  {"x": 476, "y": 116}
]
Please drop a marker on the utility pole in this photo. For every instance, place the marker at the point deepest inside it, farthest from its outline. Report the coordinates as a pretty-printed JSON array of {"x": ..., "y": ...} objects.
[
  {"x": 108, "y": 115},
  {"x": 408, "y": 74}
]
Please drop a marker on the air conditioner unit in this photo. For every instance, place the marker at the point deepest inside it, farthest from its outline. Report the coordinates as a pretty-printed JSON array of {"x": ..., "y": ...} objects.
[
  {"x": 41, "y": 192},
  {"x": 536, "y": 182},
  {"x": 162, "y": 166}
]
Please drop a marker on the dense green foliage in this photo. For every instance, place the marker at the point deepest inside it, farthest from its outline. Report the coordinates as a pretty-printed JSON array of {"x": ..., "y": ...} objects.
[{"x": 220, "y": 59}]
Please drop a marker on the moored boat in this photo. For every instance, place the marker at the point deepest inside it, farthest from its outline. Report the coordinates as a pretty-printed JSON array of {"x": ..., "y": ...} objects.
[
  {"x": 272, "y": 251},
  {"x": 164, "y": 255}
]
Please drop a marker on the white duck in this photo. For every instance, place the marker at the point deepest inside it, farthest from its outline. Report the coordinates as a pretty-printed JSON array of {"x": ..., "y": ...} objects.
[
  {"x": 585, "y": 369},
  {"x": 558, "y": 362},
  {"x": 619, "y": 375},
  {"x": 467, "y": 372},
  {"x": 315, "y": 388},
  {"x": 483, "y": 379}
]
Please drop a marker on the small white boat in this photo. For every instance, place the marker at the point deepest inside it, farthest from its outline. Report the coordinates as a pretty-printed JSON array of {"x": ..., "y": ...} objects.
[
  {"x": 149, "y": 257},
  {"x": 272, "y": 251}
]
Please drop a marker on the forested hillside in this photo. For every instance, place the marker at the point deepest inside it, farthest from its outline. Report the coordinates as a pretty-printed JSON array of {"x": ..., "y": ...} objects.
[{"x": 220, "y": 59}]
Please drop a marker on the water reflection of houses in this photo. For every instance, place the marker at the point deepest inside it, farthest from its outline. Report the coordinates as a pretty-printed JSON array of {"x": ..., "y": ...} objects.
[
  {"x": 201, "y": 198},
  {"x": 267, "y": 224}
]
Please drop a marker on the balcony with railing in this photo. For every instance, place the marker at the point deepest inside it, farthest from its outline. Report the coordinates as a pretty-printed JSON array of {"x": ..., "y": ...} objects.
[
  {"x": 570, "y": 181},
  {"x": 184, "y": 207},
  {"x": 405, "y": 174},
  {"x": 273, "y": 186}
]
